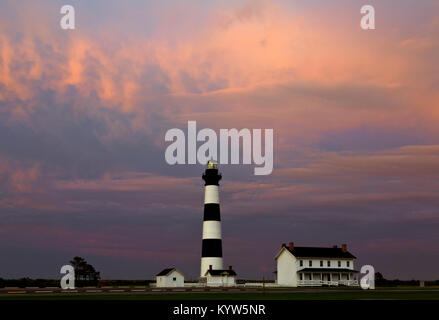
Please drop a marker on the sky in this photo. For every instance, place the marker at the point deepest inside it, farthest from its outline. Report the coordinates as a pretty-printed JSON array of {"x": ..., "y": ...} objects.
[{"x": 84, "y": 112}]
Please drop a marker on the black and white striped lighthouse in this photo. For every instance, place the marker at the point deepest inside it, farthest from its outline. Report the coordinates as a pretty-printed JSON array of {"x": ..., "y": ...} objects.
[{"x": 211, "y": 252}]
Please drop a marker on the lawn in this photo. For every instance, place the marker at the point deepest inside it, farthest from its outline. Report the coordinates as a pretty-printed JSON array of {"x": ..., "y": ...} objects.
[{"x": 400, "y": 294}]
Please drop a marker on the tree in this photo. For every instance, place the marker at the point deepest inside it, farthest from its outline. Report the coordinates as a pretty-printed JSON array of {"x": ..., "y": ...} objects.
[
  {"x": 83, "y": 270},
  {"x": 91, "y": 273},
  {"x": 379, "y": 276}
]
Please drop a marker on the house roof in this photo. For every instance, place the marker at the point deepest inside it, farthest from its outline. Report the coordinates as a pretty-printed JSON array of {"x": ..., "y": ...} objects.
[
  {"x": 317, "y": 252},
  {"x": 221, "y": 272},
  {"x": 165, "y": 272},
  {"x": 326, "y": 270}
]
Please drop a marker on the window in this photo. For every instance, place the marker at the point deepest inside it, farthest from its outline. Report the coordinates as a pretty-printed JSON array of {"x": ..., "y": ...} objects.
[
  {"x": 301, "y": 263},
  {"x": 301, "y": 276},
  {"x": 310, "y": 263},
  {"x": 329, "y": 263},
  {"x": 339, "y": 264},
  {"x": 174, "y": 279},
  {"x": 310, "y": 276},
  {"x": 321, "y": 263},
  {"x": 347, "y": 264}
]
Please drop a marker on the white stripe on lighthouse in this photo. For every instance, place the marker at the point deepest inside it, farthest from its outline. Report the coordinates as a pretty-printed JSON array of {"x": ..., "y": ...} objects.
[
  {"x": 212, "y": 229},
  {"x": 216, "y": 263},
  {"x": 211, "y": 194}
]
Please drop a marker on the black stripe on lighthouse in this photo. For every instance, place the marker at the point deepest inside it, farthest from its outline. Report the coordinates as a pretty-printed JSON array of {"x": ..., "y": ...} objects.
[
  {"x": 212, "y": 248},
  {"x": 211, "y": 177},
  {"x": 212, "y": 212}
]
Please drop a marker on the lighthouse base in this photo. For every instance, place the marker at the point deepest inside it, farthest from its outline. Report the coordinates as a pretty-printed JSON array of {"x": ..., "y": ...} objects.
[{"x": 216, "y": 263}]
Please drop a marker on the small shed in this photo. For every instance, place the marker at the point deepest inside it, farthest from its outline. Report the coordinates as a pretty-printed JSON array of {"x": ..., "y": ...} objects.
[
  {"x": 170, "y": 277},
  {"x": 221, "y": 278}
]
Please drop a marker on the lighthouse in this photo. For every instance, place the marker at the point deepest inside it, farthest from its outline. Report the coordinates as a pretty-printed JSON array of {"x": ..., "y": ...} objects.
[{"x": 211, "y": 252}]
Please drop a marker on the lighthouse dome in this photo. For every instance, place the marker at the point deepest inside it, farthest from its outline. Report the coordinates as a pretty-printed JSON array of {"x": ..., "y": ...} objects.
[{"x": 212, "y": 164}]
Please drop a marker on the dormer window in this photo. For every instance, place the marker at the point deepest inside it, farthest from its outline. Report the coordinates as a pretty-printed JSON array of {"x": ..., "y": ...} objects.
[
  {"x": 348, "y": 264},
  {"x": 310, "y": 263}
]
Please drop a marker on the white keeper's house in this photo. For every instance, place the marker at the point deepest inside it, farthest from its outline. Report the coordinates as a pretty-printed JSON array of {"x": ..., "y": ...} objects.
[{"x": 315, "y": 266}]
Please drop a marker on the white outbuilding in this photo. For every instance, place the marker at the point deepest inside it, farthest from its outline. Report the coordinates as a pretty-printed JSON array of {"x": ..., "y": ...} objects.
[
  {"x": 170, "y": 277},
  {"x": 220, "y": 278}
]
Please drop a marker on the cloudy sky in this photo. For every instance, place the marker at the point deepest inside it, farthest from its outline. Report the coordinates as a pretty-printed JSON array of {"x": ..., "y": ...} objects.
[{"x": 83, "y": 115}]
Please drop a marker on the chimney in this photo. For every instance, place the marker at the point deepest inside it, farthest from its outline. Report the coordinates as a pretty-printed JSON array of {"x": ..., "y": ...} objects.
[
  {"x": 344, "y": 247},
  {"x": 210, "y": 267},
  {"x": 291, "y": 246},
  {"x": 334, "y": 246},
  {"x": 230, "y": 267},
  {"x": 283, "y": 245}
]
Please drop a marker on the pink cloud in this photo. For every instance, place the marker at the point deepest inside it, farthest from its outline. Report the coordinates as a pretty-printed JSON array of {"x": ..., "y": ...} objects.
[{"x": 240, "y": 59}]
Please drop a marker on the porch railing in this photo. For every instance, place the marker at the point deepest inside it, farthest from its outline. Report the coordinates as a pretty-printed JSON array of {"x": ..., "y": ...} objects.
[{"x": 316, "y": 283}]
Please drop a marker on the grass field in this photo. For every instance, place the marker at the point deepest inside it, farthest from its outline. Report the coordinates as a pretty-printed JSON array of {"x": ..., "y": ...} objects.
[{"x": 392, "y": 294}]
